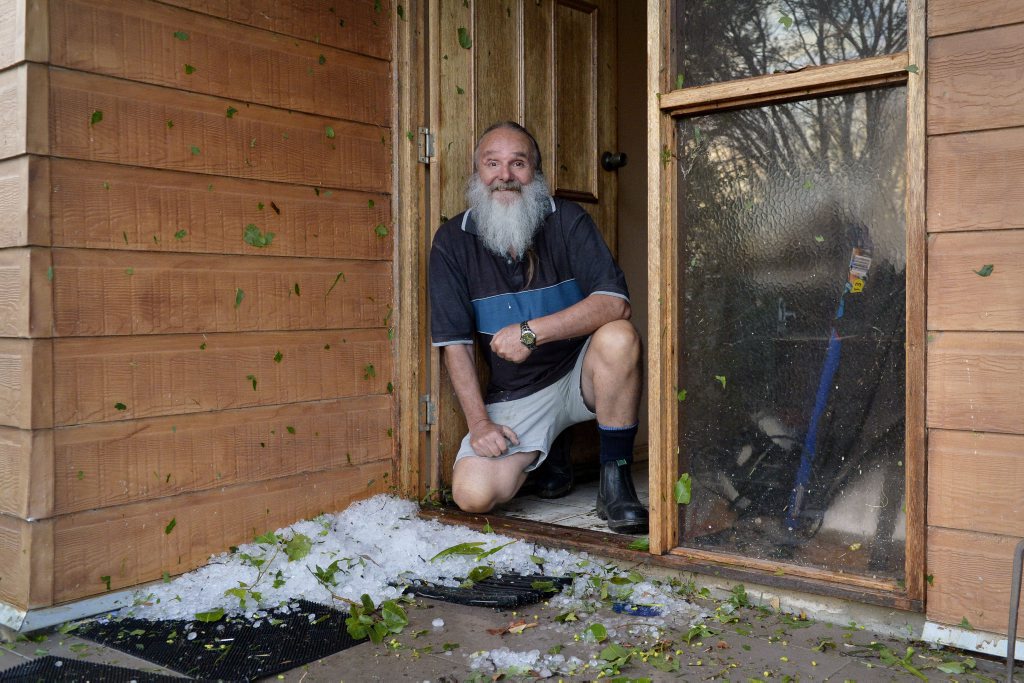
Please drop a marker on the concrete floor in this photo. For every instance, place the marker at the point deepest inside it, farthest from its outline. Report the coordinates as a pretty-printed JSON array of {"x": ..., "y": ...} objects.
[{"x": 759, "y": 645}]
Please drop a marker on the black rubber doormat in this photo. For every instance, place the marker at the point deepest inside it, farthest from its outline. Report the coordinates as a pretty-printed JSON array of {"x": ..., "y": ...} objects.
[
  {"x": 505, "y": 591},
  {"x": 58, "y": 669},
  {"x": 230, "y": 649}
]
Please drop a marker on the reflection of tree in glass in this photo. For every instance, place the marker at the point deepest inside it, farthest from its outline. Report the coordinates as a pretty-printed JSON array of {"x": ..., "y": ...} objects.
[{"x": 720, "y": 40}]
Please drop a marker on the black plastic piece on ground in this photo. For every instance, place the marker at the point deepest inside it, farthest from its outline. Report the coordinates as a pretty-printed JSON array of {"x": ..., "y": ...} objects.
[
  {"x": 229, "y": 649},
  {"x": 52, "y": 668},
  {"x": 500, "y": 592}
]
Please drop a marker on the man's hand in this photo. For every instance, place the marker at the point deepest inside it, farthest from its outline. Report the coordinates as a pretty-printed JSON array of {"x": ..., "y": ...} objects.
[
  {"x": 506, "y": 344},
  {"x": 491, "y": 440}
]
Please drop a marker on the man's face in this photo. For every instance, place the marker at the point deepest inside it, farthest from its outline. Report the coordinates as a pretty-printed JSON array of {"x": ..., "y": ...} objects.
[{"x": 504, "y": 163}]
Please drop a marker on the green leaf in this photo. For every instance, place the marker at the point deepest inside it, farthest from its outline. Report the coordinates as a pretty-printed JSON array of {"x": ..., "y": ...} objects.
[
  {"x": 537, "y": 560},
  {"x": 480, "y": 573},
  {"x": 394, "y": 617},
  {"x": 464, "y": 40},
  {"x": 189, "y": 69},
  {"x": 181, "y": 35},
  {"x": 913, "y": 69},
  {"x": 298, "y": 546},
  {"x": 614, "y": 653},
  {"x": 598, "y": 631},
  {"x": 459, "y": 90},
  {"x": 391, "y": 390},
  {"x": 409, "y": 134},
  {"x": 81, "y": 475},
  {"x": 231, "y": 112},
  {"x": 951, "y": 668},
  {"x": 298, "y": 292},
  {"x": 640, "y": 544},
  {"x": 211, "y": 616},
  {"x": 49, "y": 273},
  {"x": 721, "y": 380},
  {"x": 930, "y": 579},
  {"x": 965, "y": 624},
  {"x": 129, "y": 271},
  {"x": 97, "y": 116},
  {"x": 339, "y": 276},
  {"x": 180, "y": 235},
  {"x": 986, "y": 270},
  {"x": 471, "y": 548},
  {"x": 786, "y": 20},
  {"x": 488, "y": 529},
  {"x": 381, "y": 230},
  {"x": 369, "y": 371},
  {"x": 253, "y": 236},
  {"x": 329, "y": 132},
  {"x": 278, "y": 356},
  {"x": 488, "y": 553},
  {"x": 170, "y": 525},
  {"x": 166, "y": 576},
  {"x": 106, "y": 186},
  {"x": 290, "y": 429},
  {"x": 239, "y": 295},
  {"x": 270, "y": 537},
  {"x": 679, "y": 81},
  {"x": 106, "y": 581},
  {"x": 252, "y": 378},
  {"x": 195, "y": 150},
  {"x": 321, "y": 59},
  {"x": 202, "y": 347},
  {"x": 683, "y": 489},
  {"x": 401, "y": 13},
  {"x": 170, "y": 123},
  {"x": 120, "y": 406},
  {"x": 681, "y": 395}
]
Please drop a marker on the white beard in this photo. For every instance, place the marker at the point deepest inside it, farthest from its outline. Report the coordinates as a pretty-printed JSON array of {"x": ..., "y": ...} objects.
[{"x": 508, "y": 228}]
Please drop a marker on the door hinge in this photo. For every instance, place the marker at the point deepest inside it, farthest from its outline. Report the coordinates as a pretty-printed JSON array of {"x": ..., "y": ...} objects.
[
  {"x": 426, "y": 145},
  {"x": 428, "y": 413}
]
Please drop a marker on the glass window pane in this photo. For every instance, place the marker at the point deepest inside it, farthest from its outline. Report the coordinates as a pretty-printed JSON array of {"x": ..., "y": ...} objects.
[
  {"x": 721, "y": 40},
  {"x": 792, "y": 266}
]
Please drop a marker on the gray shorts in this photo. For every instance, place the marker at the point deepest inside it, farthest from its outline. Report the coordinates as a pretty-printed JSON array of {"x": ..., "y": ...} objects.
[{"x": 540, "y": 417}]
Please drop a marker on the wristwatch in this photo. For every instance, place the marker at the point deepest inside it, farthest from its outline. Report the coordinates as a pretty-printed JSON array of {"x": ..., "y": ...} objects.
[{"x": 527, "y": 336}]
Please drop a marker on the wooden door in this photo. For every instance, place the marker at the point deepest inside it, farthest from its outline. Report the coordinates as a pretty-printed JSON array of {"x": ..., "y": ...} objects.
[{"x": 548, "y": 64}]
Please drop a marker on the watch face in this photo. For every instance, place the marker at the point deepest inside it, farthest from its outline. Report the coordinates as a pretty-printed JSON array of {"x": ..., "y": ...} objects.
[{"x": 528, "y": 338}]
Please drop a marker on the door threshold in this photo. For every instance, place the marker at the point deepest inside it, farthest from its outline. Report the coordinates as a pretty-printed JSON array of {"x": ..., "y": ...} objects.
[{"x": 616, "y": 547}]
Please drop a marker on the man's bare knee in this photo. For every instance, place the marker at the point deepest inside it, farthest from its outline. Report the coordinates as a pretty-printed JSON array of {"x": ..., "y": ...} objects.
[
  {"x": 618, "y": 341},
  {"x": 472, "y": 499}
]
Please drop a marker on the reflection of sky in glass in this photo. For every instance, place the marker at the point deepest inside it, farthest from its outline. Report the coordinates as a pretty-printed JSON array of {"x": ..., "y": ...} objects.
[{"x": 720, "y": 40}]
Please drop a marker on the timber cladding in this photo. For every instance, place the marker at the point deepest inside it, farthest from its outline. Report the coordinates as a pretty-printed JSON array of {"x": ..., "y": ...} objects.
[
  {"x": 196, "y": 280},
  {"x": 975, "y": 349}
]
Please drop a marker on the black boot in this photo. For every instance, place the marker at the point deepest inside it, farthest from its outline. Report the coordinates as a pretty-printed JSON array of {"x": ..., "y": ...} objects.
[
  {"x": 617, "y": 501},
  {"x": 553, "y": 478}
]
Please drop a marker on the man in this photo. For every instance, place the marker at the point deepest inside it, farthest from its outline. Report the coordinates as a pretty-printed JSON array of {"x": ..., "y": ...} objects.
[{"x": 531, "y": 278}]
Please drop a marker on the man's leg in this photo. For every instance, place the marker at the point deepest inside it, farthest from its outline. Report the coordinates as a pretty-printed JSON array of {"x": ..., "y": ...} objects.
[
  {"x": 611, "y": 382},
  {"x": 479, "y": 483}
]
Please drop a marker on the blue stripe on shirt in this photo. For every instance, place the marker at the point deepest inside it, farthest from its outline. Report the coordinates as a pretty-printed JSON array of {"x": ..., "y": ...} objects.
[{"x": 496, "y": 312}]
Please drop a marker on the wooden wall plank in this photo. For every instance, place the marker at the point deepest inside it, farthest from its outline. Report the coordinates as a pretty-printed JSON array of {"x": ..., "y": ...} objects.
[
  {"x": 971, "y": 578},
  {"x": 497, "y": 90},
  {"x": 26, "y": 472},
  {"x": 954, "y": 16},
  {"x": 257, "y": 142},
  {"x": 104, "y": 465},
  {"x": 15, "y": 270},
  {"x": 26, "y": 563},
  {"x": 362, "y": 26},
  {"x": 976, "y": 381},
  {"x": 128, "y": 543},
  {"x": 974, "y": 80},
  {"x": 26, "y": 381},
  {"x": 956, "y": 290},
  {"x": 106, "y": 206},
  {"x": 976, "y": 181},
  {"x": 24, "y": 201},
  {"x": 150, "y": 42},
  {"x": 171, "y": 375},
  {"x": 23, "y": 32},
  {"x": 117, "y": 293},
  {"x": 975, "y": 480},
  {"x": 13, "y": 111}
]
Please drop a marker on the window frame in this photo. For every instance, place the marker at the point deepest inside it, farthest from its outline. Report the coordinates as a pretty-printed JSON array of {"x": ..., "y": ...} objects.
[{"x": 665, "y": 105}]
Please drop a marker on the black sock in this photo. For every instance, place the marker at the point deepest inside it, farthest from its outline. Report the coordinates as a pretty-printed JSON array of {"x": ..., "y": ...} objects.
[{"x": 617, "y": 443}]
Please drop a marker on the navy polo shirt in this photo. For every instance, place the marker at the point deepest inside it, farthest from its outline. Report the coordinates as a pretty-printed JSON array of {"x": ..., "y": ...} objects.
[{"x": 474, "y": 293}]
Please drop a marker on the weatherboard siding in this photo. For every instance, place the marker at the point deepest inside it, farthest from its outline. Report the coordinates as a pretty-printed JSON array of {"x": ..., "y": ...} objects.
[
  {"x": 196, "y": 280},
  {"x": 975, "y": 349}
]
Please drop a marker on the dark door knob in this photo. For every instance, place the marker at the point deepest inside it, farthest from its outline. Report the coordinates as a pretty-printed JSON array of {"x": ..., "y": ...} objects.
[{"x": 613, "y": 161}]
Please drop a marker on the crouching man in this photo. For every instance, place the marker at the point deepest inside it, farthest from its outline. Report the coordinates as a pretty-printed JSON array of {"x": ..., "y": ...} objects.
[{"x": 530, "y": 278}]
